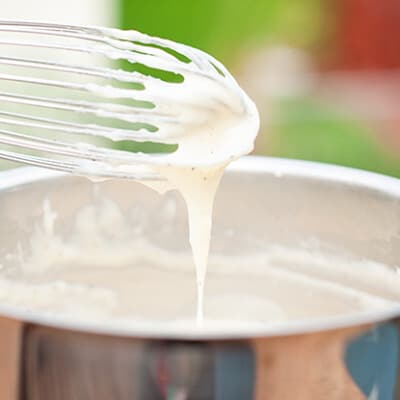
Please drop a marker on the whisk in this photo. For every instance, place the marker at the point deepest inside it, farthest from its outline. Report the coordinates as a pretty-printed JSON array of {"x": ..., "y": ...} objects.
[{"x": 72, "y": 97}]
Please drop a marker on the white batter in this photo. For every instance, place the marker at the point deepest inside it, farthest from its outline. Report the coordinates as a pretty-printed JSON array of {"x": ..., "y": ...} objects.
[{"x": 89, "y": 275}]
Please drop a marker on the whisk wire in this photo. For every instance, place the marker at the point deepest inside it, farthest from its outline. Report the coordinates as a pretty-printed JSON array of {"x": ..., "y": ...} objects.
[{"x": 57, "y": 96}]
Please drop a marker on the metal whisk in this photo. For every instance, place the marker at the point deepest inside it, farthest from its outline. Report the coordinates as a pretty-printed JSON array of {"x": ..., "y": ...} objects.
[{"x": 69, "y": 94}]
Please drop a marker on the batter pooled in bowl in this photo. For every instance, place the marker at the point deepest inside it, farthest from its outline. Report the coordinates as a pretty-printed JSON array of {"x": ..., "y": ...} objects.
[{"x": 107, "y": 271}]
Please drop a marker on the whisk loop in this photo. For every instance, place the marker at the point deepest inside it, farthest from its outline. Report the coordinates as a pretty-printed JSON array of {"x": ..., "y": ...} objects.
[{"x": 68, "y": 92}]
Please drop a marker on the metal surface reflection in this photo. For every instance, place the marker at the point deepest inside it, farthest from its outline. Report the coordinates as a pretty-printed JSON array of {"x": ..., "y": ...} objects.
[
  {"x": 352, "y": 363},
  {"x": 372, "y": 361}
]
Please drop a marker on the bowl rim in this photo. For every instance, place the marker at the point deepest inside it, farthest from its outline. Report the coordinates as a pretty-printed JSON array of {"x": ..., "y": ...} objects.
[
  {"x": 14, "y": 178},
  {"x": 254, "y": 164}
]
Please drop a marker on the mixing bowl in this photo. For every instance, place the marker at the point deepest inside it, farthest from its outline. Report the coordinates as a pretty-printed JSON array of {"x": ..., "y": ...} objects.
[{"x": 341, "y": 211}]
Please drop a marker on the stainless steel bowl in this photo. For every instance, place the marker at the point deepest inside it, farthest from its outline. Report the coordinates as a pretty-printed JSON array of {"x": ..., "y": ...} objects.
[{"x": 354, "y": 356}]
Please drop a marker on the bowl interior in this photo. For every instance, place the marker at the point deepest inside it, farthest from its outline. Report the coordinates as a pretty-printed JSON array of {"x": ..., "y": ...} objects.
[{"x": 261, "y": 205}]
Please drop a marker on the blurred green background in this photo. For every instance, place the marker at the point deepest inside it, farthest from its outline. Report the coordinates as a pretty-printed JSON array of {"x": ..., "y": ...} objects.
[
  {"x": 324, "y": 78},
  {"x": 325, "y": 74}
]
